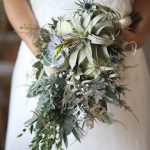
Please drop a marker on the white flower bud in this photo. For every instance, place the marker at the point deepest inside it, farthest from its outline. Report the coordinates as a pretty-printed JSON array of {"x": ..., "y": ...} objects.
[{"x": 64, "y": 27}]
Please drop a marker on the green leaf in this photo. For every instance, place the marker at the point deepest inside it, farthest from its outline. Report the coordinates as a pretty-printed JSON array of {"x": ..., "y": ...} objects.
[
  {"x": 73, "y": 58},
  {"x": 68, "y": 124},
  {"x": 24, "y": 130},
  {"x": 45, "y": 35},
  {"x": 46, "y": 61},
  {"x": 32, "y": 120},
  {"x": 99, "y": 79},
  {"x": 105, "y": 52},
  {"x": 61, "y": 133},
  {"x": 99, "y": 27},
  {"x": 65, "y": 140},
  {"x": 76, "y": 134},
  {"x": 58, "y": 49},
  {"x": 88, "y": 51},
  {"x": 81, "y": 56},
  {"x": 31, "y": 93},
  {"x": 95, "y": 20},
  {"x": 43, "y": 99},
  {"x": 31, "y": 129},
  {"x": 110, "y": 97},
  {"x": 100, "y": 40},
  {"x": 106, "y": 119},
  {"x": 77, "y": 23},
  {"x": 39, "y": 124},
  {"x": 60, "y": 81},
  {"x": 58, "y": 69},
  {"x": 86, "y": 19},
  {"x": 38, "y": 56},
  {"x": 44, "y": 46},
  {"x": 20, "y": 135},
  {"x": 89, "y": 71}
]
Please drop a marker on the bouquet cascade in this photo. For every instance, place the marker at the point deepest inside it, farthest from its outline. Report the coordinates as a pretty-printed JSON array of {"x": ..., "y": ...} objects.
[{"x": 78, "y": 73}]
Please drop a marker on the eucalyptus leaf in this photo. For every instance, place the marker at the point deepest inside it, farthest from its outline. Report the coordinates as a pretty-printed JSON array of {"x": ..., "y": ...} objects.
[
  {"x": 46, "y": 61},
  {"x": 110, "y": 97},
  {"x": 20, "y": 135},
  {"x": 52, "y": 70},
  {"x": 32, "y": 120},
  {"x": 75, "y": 133},
  {"x": 31, "y": 128},
  {"x": 68, "y": 124},
  {"x": 39, "y": 124},
  {"x": 65, "y": 140}
]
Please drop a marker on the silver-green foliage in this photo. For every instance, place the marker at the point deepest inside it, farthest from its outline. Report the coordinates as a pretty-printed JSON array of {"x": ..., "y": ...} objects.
[{"x": 76, "y": 93}]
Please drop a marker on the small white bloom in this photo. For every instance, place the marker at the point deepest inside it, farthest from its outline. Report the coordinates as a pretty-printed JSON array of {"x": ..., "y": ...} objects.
[
  {"x": 60, "y": 75},
  {"x": 125, "y": 22},
  {"x": 64, "y": 27},
  {"x": 56, "y": 85},
  {"x": 87, "y": 85}
]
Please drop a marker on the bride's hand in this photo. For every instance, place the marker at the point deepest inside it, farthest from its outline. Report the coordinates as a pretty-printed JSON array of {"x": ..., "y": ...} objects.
[
  {"x": 140, "y": 31},
  {"x": 131, "y": 36},
  {"x": 19, "y": 13}
]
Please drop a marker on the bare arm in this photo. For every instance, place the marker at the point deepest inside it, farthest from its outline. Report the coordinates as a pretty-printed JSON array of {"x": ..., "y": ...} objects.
[
  {"x": 19, "y": 14},
  {"x": 140, "y": 32}
]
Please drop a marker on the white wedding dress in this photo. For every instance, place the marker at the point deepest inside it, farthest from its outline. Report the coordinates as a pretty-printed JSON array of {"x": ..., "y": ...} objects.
[{"x": 135, "y": 136}]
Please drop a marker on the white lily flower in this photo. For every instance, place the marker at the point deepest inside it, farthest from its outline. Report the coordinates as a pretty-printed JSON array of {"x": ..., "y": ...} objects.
[
  {"x": 125, "y": 22},
  {"x": 64, "y": 27}
]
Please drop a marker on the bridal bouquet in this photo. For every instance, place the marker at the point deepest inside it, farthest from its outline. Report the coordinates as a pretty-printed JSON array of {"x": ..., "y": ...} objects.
[{"x": 78, "y": 73}]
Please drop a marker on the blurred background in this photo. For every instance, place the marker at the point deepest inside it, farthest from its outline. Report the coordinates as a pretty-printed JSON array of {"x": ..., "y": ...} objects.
[{"x": 9, "y": 45}]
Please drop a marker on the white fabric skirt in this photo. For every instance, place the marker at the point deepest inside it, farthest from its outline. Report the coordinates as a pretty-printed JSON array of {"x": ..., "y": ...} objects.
[{"x": 132, "y": 136}]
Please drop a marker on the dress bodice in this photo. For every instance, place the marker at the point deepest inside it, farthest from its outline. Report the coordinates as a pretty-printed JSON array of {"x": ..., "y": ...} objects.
[{"x": 45, "y": 10}]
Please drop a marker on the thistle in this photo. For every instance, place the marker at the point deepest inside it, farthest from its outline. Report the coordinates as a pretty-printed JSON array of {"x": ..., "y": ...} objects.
[{"x": 86, "y": 5}]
